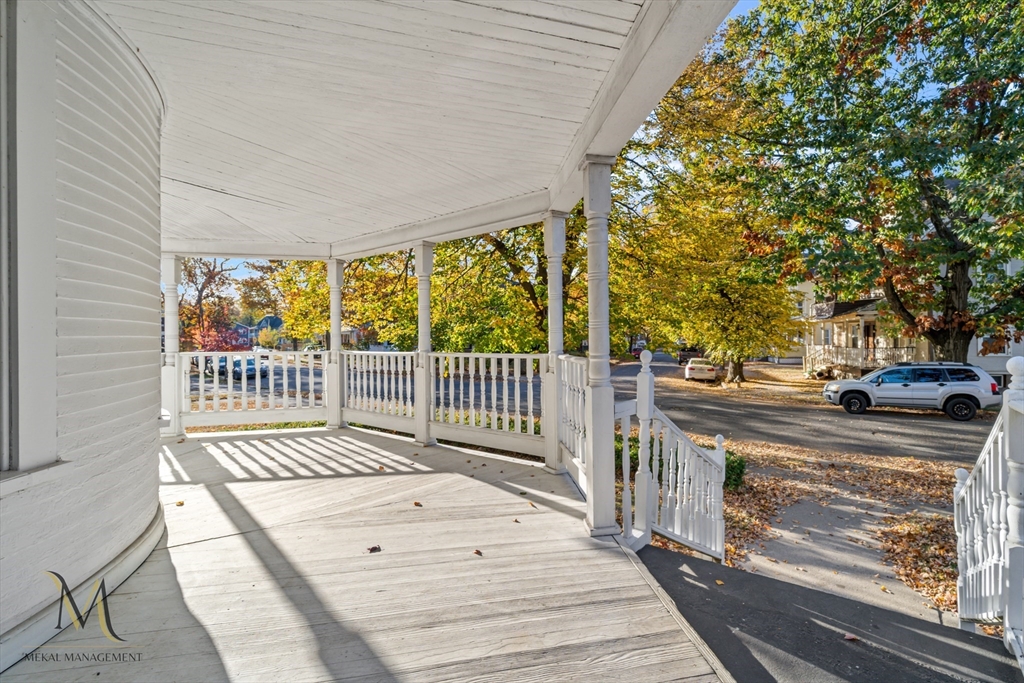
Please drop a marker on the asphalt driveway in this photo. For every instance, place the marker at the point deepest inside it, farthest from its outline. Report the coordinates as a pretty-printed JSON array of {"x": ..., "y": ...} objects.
[{"x": 828, "y": 428}]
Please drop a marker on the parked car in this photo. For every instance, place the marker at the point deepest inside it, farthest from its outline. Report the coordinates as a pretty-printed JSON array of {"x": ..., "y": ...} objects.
[
  {"x": 685, "y": 353},
  {"x": 313, "y": 347},
  {"x": 250, "y": 368},
  {"x": 958, "y": 389},
  {"x": 702, "y": 369},
  {"x": 637, "y": 350}
]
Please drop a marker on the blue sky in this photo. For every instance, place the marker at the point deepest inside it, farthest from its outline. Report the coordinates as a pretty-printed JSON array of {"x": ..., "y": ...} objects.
[{"x": 742, "y": 7}]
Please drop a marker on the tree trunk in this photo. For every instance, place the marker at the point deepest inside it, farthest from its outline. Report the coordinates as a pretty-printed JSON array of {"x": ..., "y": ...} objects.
[
  {"x": 955, "y": 346},
  {"x": 734, "y": 373}
]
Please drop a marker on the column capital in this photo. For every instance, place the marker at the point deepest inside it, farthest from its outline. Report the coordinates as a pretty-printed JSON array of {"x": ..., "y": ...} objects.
[
  {"x": 170, "y": 269},
  {"x": 336, "y": 272},
  {"x": 596, "y": 159},
  {"x": 424, "y": 258},
  {"x": 554, "y": 234}
]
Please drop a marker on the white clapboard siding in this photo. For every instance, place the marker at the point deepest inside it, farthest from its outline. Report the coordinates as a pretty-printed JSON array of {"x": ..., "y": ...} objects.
[{"x": 107, "y": 301}]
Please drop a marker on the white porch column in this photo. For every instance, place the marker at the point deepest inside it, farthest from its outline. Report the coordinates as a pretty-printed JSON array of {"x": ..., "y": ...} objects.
[
  {"x": 170, "y": 375},
  {"x": 424, "y": 257},
  {"x": 554, "y": 249},
  {"x": 334, "y": 391},
  {"x": 600, "y": 417}
]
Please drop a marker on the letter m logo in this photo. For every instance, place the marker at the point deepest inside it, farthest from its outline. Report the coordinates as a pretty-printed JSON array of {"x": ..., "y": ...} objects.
[{"x": 98, "y": 600}]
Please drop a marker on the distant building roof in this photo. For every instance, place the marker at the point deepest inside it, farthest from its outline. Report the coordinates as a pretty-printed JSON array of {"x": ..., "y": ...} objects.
[
  {"x": 836, "y": 309},
  {"x": 271, "y": 321}
]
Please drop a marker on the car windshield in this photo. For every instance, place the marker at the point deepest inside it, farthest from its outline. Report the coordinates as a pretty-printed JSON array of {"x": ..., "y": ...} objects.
[{"x": 700, "y": 361}]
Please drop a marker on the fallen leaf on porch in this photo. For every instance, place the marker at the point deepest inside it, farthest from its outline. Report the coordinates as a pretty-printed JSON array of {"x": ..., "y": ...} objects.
[
  {"x": 418, "y": 504},
  {"x": 884, "y": 589},
  {"x": 180, "y": 503},
  {"x": 522, "y": 493},
  {"x": 850, "y": 636},
  {"x": 532, "y": 505},
  {"x": 720, "y": 582},
  {"x": 772, "y": 559},
  {"x": 375, "y": 549},
  {"x": 381, "y": 468},
  {"x": 516, "y": 521},
  {"x": 483, "y": 464},
  {"x": 181, "y": 440},
  {"x": 477, "y": 552}
]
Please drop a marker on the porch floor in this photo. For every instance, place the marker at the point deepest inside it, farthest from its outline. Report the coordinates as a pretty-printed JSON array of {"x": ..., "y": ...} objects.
[{"x": 264, "y": 573}]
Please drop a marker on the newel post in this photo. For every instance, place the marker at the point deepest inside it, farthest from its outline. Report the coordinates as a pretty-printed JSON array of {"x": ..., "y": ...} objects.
[
  {"x": 424, "y": 389},
  {"x": 334, "y": 392},
  {"x": 644, "y": 482},
  {"x": 600, "y": 396},
  {"x": 171, "y": 385},
  {"x": 554, "y": 249},
  {"x": 717, "y": 504},
  {"x": 1013, "y": 410}
]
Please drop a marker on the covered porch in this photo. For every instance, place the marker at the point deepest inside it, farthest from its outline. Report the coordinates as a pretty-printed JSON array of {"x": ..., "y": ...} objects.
[{"x": 265, "y": 572}]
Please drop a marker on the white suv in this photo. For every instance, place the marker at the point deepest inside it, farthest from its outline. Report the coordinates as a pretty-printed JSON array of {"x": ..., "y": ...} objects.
[{"x": 957, "y": 388}]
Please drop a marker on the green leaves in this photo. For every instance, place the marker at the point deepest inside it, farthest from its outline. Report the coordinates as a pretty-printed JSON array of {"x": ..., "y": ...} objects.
[{"x": 895, "y": 134}]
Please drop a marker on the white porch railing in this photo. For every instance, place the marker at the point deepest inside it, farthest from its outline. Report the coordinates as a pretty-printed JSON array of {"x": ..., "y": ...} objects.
[
  {"x": 378, "y": 388},
  {"x": 820, "y": 356},
  {"x": 494, "y": 399},
  {"x": 572, "y": 430},
  {"x": 249, "y": 388},
  {"x": 989, "y": 519},
  {"x": 677, "y": 484}
]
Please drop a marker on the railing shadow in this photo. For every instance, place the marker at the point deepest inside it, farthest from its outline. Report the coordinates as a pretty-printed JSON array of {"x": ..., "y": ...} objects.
[{"x": 765, "y": 629}]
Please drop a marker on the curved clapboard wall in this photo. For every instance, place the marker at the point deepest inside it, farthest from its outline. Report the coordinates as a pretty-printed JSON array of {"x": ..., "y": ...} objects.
[{"x": 97, "y": 516}]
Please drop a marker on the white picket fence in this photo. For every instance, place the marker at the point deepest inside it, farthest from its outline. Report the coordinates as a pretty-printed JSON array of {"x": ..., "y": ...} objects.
[
  {"x": 250, "y": 387},
  {"x": 677, "y": 486},
  {"x": 989, "y": 520}
]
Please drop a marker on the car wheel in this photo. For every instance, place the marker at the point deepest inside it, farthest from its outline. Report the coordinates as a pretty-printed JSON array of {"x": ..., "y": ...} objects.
[
  {"x": 961, "y": 409},
  {"x": 855, "y": 404}
]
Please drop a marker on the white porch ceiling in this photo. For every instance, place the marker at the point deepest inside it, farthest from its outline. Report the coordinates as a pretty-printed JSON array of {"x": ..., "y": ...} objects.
[{"x": 302, "y": 128}]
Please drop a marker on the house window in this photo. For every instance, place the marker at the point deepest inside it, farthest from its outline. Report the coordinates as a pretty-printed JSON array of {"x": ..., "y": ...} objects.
[
  {"x": 826, "y": 336},
  {"x": 854, "y": 336},
  {"x": 994, "y": 346}
]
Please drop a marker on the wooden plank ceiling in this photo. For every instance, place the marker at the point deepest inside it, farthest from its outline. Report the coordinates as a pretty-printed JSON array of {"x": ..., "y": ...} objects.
[{"x": 305, "y": 122}]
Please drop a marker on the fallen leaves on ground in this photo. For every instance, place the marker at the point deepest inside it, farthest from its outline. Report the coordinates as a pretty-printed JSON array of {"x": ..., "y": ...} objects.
[
  {"x": 374, "y": 549},
  {"x": 748, "y": 511},
  {"x": 478, "y": 552},
  {"x": 892, "y": 480},
  {"x": 922, "y": 549}
]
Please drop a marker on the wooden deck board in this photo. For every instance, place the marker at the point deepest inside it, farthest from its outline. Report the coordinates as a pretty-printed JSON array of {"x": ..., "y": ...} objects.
[{"x": 264, "y": 574}]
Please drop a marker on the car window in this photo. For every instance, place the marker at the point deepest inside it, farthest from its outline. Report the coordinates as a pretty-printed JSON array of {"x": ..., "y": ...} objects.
[
  {"x": 699, "y": 361},
  {"x": 929, "y": 375},
  {"x": 895, "y": 376},
  {"x": 962, "y": 375}
]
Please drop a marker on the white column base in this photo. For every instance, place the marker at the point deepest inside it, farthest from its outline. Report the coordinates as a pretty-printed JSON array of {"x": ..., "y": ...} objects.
[{"x": 170, "y": 399}]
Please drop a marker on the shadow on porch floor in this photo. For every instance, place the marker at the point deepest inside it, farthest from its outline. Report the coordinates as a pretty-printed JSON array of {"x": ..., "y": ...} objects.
[
  {"x": 265, "y": 574},
  {"x": 765, "y": 629}
]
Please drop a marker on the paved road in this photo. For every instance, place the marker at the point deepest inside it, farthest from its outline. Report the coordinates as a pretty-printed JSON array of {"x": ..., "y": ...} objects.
[
  {"x": 764, "y": 630},
  {"x": 931, "y": 436}
]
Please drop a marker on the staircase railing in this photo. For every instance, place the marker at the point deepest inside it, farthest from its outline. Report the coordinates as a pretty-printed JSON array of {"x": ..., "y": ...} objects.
[
  {"x": 989, "y": 520},
  {"x": 677, "y": 486}
]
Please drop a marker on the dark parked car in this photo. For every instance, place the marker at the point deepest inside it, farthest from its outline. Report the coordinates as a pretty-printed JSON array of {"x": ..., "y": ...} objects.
[
  {"x": 250, "y": 369},
  {"x": 236, "y": 369},
  {"x": 685, "y": 353}
]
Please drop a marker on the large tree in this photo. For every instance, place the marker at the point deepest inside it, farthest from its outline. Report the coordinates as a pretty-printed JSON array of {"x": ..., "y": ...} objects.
[
  {"x": 892, "y": 147},
  {"x": 690, "y": 222}
]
